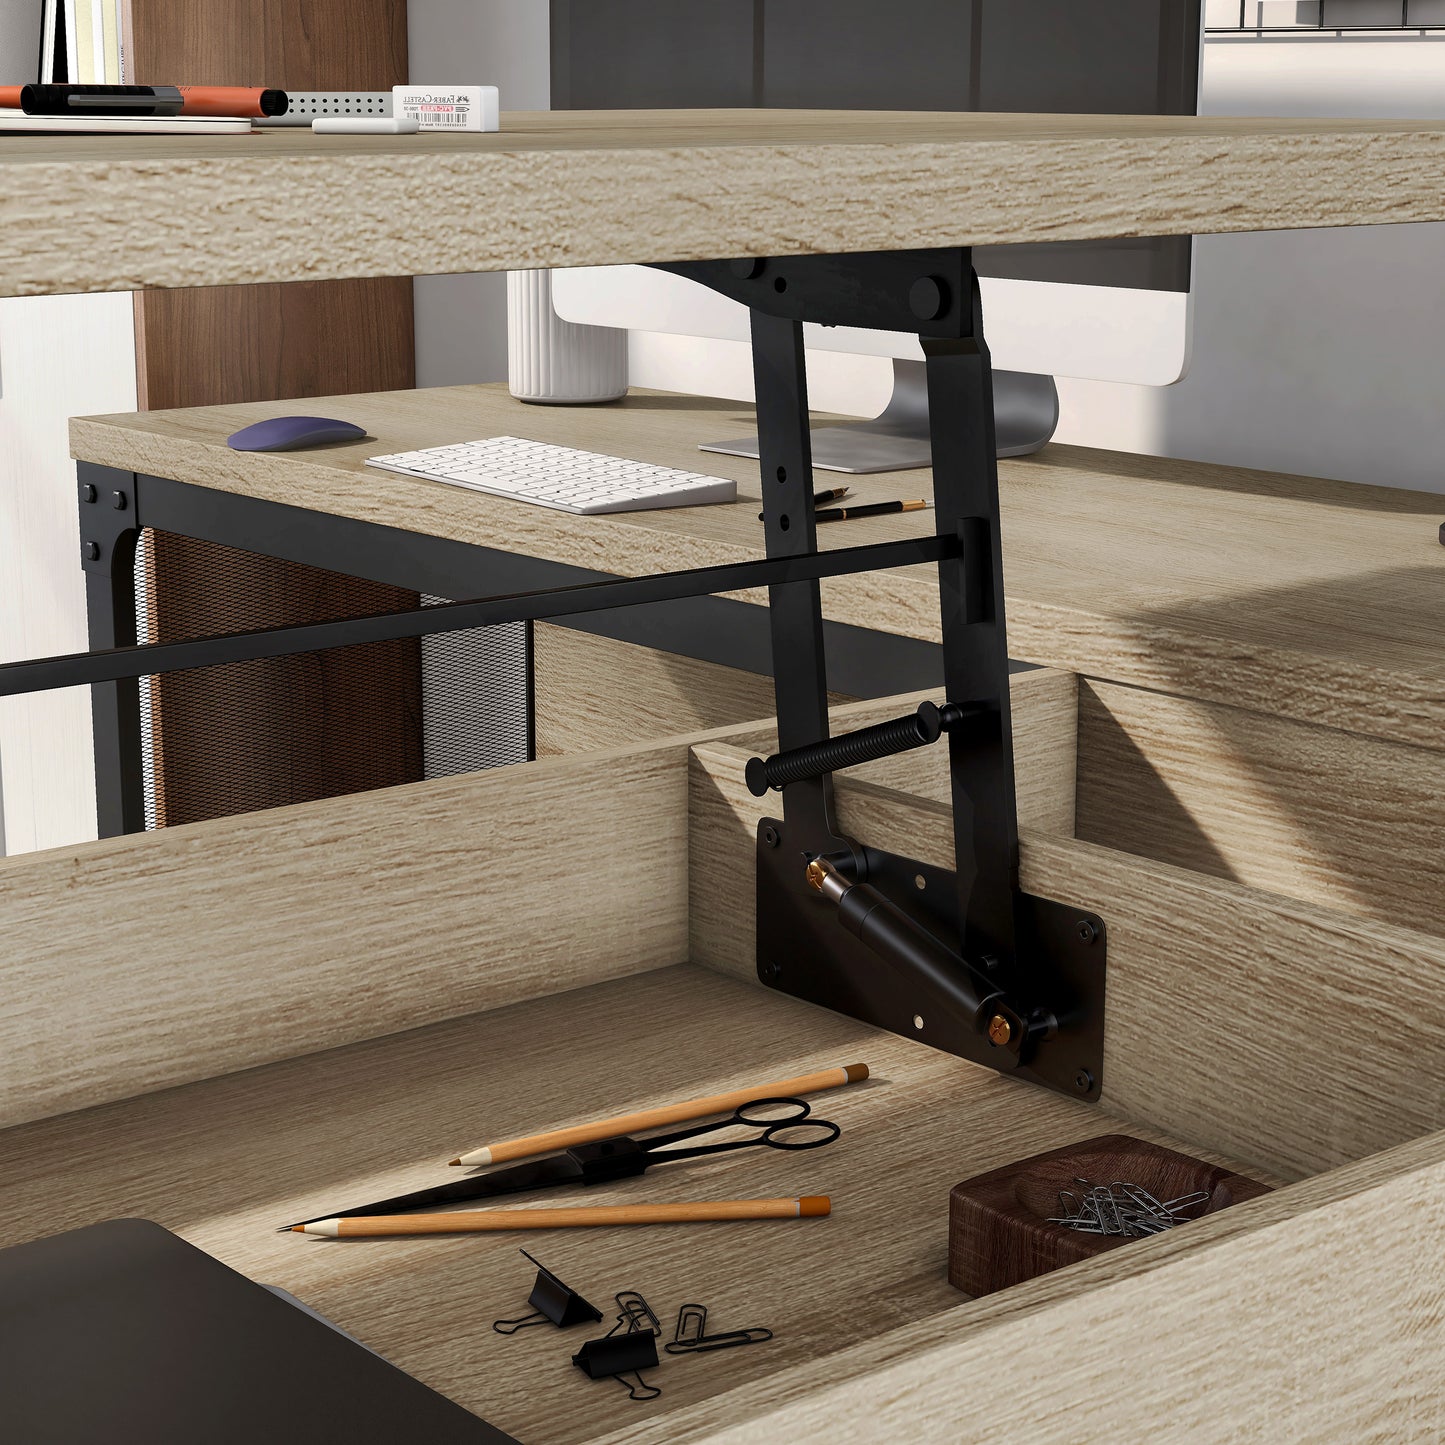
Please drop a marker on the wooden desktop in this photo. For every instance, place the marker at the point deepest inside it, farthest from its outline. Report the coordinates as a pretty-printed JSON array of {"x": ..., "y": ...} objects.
[{"x": 1235, "y": 759}]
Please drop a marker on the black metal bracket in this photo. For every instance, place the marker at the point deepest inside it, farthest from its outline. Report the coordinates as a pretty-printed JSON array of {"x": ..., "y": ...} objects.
[
  {"x": 963, "y": 958},
  {"x": 110, "y": 528}
]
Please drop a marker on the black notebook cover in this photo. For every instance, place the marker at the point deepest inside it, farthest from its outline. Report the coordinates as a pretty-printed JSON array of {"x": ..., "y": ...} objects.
[{"x": 124, "y": 1334}]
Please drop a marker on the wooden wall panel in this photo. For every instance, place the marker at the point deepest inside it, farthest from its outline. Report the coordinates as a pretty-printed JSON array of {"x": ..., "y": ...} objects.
[
  {"x": 227, "y": 737},
  {"x": 264, "y": 343},
  {"x": 1352, "y": 822},
  {"x": 296, "y": 44}
]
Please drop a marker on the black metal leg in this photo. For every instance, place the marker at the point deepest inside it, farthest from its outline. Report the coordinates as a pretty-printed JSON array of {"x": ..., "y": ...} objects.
[
  {"x": 109, "y": 530},
  {"x": 800, "y": 684},
  {"x": 975, "y": 649}
]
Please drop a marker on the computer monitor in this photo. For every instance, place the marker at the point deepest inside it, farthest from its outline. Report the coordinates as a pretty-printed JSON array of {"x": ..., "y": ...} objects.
[{"x": 1105, "y": 310}]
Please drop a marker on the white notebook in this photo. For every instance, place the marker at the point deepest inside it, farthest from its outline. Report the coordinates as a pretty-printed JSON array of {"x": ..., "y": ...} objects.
[{"x": 17, "y": 120}]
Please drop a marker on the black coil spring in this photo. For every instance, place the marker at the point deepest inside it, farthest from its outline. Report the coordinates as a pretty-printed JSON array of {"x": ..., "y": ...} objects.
[{"x": 864, "y": 746}]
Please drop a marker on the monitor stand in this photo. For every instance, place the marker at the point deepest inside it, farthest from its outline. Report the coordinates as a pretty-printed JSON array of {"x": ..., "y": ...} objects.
[{"x": 1025, "y": 408}]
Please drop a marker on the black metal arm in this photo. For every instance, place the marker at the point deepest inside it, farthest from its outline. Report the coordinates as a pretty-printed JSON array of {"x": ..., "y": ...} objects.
[{"x": 972, "y": 964}]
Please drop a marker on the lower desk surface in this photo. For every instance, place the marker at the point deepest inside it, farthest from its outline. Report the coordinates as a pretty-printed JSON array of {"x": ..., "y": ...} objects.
[
  {"x": 1306, "y": 598},
  {"x": 224, "y": 1162}
]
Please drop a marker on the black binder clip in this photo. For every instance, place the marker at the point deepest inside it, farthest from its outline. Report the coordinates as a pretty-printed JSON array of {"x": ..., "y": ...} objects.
[
  {"x": 691, "y": 1336},
  {"x": 550, "y": 1300},
  {"x": 627, "y": 1348}
]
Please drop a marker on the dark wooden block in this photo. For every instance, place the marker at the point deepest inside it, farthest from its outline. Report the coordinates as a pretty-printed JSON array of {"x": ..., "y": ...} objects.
[{"x": 998, "y": 1230}]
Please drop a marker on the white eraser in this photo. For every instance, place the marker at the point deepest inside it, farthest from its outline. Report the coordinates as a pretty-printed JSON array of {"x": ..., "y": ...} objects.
[
  {"x": 449, "y": 107},
  {"x": 364, "y": 125}
]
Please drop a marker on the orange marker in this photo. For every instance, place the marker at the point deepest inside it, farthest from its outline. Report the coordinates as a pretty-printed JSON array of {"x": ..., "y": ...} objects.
[{"x": 241, "y": 101}]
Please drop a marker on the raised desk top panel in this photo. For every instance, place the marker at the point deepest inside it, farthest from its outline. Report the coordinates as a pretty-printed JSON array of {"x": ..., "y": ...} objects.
[
  {"x": 592, "y": 188},
  {"x": 1309, "y": 599}
]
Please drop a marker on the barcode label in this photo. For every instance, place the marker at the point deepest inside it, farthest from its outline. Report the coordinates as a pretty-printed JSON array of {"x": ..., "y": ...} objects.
[{"x": 463, "y": 107}]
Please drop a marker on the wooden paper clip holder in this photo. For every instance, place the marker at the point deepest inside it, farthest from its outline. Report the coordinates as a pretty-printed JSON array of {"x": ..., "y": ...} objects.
[{"x": 998, "y": 1223}]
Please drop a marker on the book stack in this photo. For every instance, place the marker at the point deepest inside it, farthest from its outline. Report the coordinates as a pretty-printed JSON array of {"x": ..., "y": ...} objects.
[{"x": 85, "y": 42}]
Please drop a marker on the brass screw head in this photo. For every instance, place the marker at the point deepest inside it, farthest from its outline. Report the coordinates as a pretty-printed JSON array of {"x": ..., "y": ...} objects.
[
  {"x": 1000, "y": 1031},
  {"x": 816, "y": 873}
]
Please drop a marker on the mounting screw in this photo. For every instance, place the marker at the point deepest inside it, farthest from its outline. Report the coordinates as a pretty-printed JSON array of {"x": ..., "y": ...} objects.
[
  {"x": 771, "y": 971},
  {"x": 746, "y": 267},
  {"x": 90, "y": 551},
  {"x": 771, "y": 836},
  {"x": 918, "y": 1021},
  {"x": 1083, "y": 1081},
  {"x": 1086, "y": 931},
  {"x": 928, "y": 298},
  {"x": 118, "y": 501},
  {"x": 87, "y": 492},
  {"x": 1000, "y": 1030}
]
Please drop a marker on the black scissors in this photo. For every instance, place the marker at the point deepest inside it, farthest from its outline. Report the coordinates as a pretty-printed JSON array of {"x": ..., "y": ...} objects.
[{"x": 619, "y": 1158}]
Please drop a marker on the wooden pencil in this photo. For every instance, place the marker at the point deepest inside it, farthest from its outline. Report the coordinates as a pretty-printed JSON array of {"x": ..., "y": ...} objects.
[
  {"x": 667, "y": 1114},
  {"x": 478, "y": 1221}
]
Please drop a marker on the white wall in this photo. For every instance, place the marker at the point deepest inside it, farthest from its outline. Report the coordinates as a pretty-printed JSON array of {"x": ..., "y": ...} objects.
[
  {"x": 461, "y": 321},
  {"x": 60, "y": 356}
]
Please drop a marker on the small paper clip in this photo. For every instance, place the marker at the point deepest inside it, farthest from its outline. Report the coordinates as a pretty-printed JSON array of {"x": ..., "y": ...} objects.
[
  {"x": 550, "y": 1300},
  {"x": 691, "y": 1336}
]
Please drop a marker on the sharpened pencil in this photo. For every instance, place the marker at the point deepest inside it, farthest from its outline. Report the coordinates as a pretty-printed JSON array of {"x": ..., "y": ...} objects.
[
  {"x": 481, "y": 1221},
  {"x": 667, "y": 1114}
]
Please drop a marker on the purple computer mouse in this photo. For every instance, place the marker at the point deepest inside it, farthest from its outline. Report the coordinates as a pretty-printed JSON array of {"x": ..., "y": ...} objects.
[{"x": 289, "y": 433}]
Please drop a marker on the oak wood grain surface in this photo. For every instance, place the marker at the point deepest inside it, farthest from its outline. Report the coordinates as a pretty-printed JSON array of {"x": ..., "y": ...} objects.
[
  {"x": 1324, "y": 816},
  {"x": 1235, "y": 1018},
  {"x": 1295, "y": 596},
  {"x": 311, "y": 926},
  {"x": 595, "y": 692},
  {"x": 224, "y": 1162},
  {"x": 135, "y": 963},
  {"x": 1228, "y": 1330},
  {"x": 583, "y": 188}
]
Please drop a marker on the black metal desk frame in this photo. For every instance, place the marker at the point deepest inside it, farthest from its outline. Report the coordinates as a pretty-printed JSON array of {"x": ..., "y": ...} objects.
[{"x": 1009, "y": 980}]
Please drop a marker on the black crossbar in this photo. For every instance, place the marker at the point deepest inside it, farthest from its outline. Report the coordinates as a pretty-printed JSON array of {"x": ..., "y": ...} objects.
[{"x": 79, "y": 668}]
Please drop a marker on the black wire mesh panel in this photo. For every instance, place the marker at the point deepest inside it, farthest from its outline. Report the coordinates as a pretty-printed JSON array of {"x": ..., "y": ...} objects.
[
  {"x": 476, "y": 697},
  {"x": 273, "y": 731}
]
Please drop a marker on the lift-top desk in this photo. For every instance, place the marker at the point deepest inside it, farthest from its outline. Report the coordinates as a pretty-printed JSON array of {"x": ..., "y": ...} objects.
[{"x": 1262, "y": 1009}]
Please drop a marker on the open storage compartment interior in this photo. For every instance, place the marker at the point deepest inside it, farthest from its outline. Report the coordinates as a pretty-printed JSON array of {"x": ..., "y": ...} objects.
[{"x": 367, "y": 1010}]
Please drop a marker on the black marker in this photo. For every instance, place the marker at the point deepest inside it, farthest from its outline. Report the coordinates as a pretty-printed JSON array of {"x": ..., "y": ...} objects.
[{"x": 874, "y": 509}]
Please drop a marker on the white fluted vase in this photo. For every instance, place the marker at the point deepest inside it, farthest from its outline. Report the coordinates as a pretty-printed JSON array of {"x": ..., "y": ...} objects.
[{"x": 554, "y": 361}]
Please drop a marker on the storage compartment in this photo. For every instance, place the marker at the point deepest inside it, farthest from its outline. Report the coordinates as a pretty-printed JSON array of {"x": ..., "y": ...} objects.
[{"x": 1266, "y": 1038}]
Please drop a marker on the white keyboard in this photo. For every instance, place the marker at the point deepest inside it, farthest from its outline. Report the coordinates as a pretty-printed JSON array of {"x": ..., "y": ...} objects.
[{"x": 560, "y": 477}]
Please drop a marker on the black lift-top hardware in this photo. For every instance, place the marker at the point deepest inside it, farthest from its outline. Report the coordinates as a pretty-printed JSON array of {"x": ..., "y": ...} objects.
[{"x": 963, "y": 960}]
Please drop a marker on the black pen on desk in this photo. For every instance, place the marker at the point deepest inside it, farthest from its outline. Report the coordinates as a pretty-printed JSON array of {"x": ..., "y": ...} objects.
[
  {"x": 873, "y": 509},
  {"x": 821, "y": 499}
]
